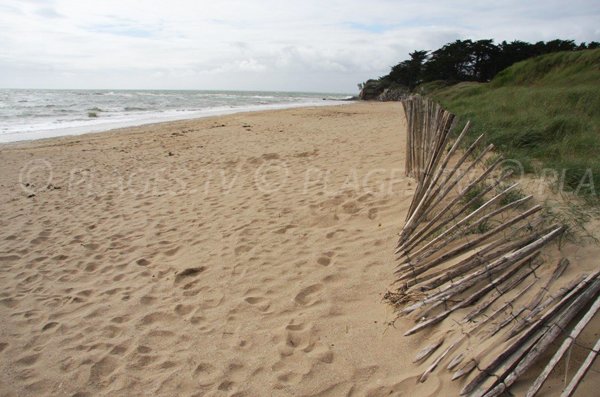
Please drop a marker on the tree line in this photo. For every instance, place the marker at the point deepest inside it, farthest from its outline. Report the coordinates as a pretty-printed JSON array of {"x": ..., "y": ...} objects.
[{"x": 468, "y": 60}]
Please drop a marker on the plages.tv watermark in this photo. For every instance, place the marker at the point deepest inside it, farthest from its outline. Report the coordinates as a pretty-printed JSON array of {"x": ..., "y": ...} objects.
[{"x": 269, "y": 177}]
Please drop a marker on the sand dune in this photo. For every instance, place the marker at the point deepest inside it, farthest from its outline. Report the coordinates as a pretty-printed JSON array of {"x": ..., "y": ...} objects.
[{"x": 244, "y": 255}]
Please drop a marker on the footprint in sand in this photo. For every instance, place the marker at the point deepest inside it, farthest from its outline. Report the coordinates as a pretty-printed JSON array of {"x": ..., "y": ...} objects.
[
  {"x": 28, "y": 360},
  {"x": 142, "y": 262},
  {"x": 240, "y": 249},
  {"x": 365, "y": 197},
  {"x": 262, "y": 304},
  {"x": 350, "y": 207},
  {"x": 325, "y": 259},
  {"x": 49, "y": 325},
  {"x": 306, "y": 297},
  {"x": 183, "y": 310},
  {"x": 102, "y": 369},
  {"x": 292, "y": 326},
  {"x": 157, "y": 317},
  {"x": 289, "y": 378},
  {"x": 372, "y": 213},
  {"x": 284, "y": 229},
  {"x": 172, "y": 251},
  {"x": 9, "y": 258},
  {"x": 189, "y": 272},
  {"x": 333, "y": 233},
  {"x": 206, "y": 374}
]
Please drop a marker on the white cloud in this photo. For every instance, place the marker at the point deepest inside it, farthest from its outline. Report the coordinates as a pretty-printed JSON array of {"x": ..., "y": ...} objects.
[{"x": 296, "y": 45}]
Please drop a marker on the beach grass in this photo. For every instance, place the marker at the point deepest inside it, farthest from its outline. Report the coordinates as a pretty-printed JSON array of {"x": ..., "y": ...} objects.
[{"x": 543, "y": 112}]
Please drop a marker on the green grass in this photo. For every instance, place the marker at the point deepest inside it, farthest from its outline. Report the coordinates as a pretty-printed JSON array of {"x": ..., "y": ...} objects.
[
  {"x": 543, "y": 112},
  {"x": 511, "y": 196},
  {"x": 471, "y": 195}
]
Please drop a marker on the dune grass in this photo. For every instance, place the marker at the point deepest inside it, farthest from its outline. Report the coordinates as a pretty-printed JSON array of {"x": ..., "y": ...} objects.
[{"x": 543, "y": 112}]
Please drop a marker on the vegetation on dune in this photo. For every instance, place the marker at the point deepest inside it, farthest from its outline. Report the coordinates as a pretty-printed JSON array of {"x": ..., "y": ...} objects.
[
  {"x": 467, "y": 60},
  {"x": 538, "y": 103},
  {"x": 543, "y": 112}
]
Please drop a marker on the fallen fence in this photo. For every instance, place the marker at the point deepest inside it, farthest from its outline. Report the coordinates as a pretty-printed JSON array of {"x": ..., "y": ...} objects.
[{"x": 471, "y": 250}]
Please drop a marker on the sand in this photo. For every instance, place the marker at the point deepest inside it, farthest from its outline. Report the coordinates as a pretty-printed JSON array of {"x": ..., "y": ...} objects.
[{"x": 242, "y": 255}]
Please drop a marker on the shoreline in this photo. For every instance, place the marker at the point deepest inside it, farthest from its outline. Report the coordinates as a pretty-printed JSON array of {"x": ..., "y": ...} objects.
[{"x": 157, "y": 118}]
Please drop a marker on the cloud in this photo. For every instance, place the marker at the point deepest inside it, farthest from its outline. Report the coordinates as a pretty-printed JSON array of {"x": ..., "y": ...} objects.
[
  {"x": 48, "y": 12},
  {"x": 372, "y": 28},
  {"x": 121, "y": 30},
  {"x": 305, "y": 45}
]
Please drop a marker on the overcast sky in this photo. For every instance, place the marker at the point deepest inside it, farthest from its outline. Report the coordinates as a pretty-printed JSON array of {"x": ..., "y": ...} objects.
[{"x": 308, "y": 45}]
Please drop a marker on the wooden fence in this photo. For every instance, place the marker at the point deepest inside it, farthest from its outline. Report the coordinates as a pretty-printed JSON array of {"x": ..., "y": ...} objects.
[{"x": 471, "y": 250}]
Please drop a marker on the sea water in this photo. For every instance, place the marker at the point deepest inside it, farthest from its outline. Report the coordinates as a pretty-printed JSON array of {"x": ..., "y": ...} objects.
[{"x": 32, "y": 114}]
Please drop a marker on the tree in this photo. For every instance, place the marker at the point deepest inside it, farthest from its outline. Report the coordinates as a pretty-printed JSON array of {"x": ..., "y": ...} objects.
[
  {"x": 409, "y": 73},
  {"x": 467, "y": 60},
  {"x": 452, "y": 62},
  {"x": 485, "y": 56}
]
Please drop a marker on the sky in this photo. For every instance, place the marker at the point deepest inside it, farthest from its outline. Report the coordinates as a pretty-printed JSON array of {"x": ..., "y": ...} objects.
[{"x": 308, "y": 45}]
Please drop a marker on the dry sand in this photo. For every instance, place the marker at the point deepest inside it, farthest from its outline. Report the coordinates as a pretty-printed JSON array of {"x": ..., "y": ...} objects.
[{"x": 244, "y": 255}]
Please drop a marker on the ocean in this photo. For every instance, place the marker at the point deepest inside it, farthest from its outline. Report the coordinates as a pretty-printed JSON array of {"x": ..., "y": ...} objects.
[{"x": 34, "y": 114}]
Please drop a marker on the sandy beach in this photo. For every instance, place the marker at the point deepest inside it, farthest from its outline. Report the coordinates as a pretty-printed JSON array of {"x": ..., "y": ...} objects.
[{"x": 241, "y": 255}]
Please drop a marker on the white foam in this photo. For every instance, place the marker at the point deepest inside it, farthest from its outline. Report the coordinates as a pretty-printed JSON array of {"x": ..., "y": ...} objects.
[{"x": 79, "y": 127}]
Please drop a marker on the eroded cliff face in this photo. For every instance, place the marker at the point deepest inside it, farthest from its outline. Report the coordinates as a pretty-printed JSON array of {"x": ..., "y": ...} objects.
[
  {"x": 393, "y": 94},
  {"x": 371, "y": 90},
  {"x": 376, "y": 90}
]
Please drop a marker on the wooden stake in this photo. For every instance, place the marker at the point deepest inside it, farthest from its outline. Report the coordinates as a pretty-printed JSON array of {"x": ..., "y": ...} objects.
[
  {"x": 429, "y": 350},
  {"x": 505, "y": 260},
  {"x": 554, "y": 329},
  {"x": 535, "y": 387},
  {"x": 467, "y": 246},
  {"x": 570, "y": 389},
  {"x": 475, "y": 296},
  {"x": 523, "y": 340},
  {"x": 421, "y": 234}
]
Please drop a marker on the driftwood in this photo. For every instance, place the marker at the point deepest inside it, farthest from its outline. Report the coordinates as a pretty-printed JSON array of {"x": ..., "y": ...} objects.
[
  {"x": 466, "y": 369},
  {"x": 428, "y": 125},
  {"x": 559, "y": 295},
  {"x": 513, "y": 317},
  {"x": 434, "y": 365},
  {"x": 523, "y": 323},
  {"x": 558, "y": 271}
]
